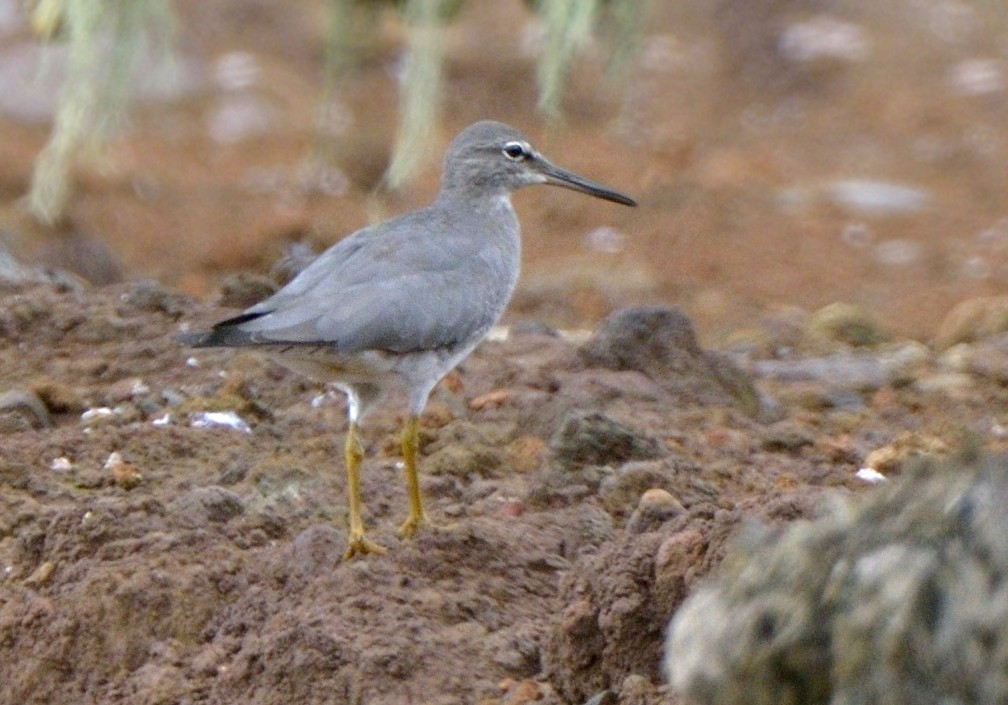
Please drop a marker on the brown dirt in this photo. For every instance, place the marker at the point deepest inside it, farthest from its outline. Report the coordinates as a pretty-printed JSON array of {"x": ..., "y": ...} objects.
[
  {"x": 208, "y": 569},
  {"x": 205, "y": 566}
]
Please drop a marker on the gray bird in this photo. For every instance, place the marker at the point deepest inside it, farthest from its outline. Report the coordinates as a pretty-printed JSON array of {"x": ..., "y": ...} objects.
[{"x": 397, "y": 305}]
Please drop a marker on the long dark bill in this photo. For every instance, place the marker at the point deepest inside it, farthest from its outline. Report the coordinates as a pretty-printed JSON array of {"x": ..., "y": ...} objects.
[{"x": 561, "y": 177}]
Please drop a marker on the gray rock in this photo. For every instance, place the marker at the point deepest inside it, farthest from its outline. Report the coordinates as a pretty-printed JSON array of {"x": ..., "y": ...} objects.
[
  {"x": 900, "y": 598},
  {"x": 152, "y": 296},
  {"x": 622, "y": 490},
  {"x": 656, "y": 506},
  {"x": 659, "y": 341},
  {"x": 201, "y": 505},
  {"x": 787, "y": 436},
  {"x": 862, "y": 371},
  {"x": 26, "y": 405},
  {"x": 592, "y": 438},
  {"x": 846, "y": 323}
]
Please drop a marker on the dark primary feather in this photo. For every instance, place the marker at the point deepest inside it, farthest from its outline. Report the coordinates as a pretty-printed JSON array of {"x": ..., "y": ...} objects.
[{"x": 226, "y": 333}]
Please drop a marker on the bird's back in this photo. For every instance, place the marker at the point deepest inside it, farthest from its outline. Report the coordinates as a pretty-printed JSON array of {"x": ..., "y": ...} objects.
[{"x": 435, "y": 278}]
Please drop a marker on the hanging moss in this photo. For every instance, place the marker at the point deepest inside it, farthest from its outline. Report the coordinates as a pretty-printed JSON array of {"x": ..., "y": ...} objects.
[
  {"x": 107, "y": 40},
  {"x": 419, "y": 89}
]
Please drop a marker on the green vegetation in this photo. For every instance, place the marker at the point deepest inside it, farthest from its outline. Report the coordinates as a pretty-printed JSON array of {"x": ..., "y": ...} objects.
[{"x": 109, "y": 40}]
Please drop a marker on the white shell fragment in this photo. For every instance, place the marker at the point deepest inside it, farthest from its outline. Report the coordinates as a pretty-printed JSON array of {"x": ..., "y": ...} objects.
[
  {"x": 870, "y": 475},
  {"x": 228, "y": 419},
  {"x": 61, "y": 464}
]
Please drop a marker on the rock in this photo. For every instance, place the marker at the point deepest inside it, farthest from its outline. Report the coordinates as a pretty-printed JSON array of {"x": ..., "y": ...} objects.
[
  {"x": 232, "y": 472},
  {"x": 973, "y": 320},
  {"x": 891, "y": 459},
  {"x": 208, "y": 504},
  {"x": 463, "y": 461},
  {"x": 58, "y": 397},
  {"x": 241, "y": 290},
  {"x": 592, "y": 438},
  {"x": 123, "y": 474},
  {"x": 152, "y": 296},
  {"x": 858, "y": 371},
  {"x": 952, "y": 384},
  {"x": 605, "y": 697},
  {"x": 621, "y": 492},
  {"x": 988, "y": 359},
  {"x": 653, "y": 340},
  {"x": 80, "y": 253},
  {"x": 845, "y": 323},
  {"x": 656, "y": 506},
  {"x": 659, "y": 341},
  {"x": 896, "y": 598},
  {"x": 784, "y": 326},
  {"x": 636, "y": 690},
  {"x": 41, "y": 575},
  {"x": 523, "y": 692},
  {"x": 787, "y": 436},
  {"x": 26, "y": 410}
]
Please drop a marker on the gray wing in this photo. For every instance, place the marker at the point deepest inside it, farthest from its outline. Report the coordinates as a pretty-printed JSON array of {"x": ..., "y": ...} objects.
[{"x": 401, "y": 286}]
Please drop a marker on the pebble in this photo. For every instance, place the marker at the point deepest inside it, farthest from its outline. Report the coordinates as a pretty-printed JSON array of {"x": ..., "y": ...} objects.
[
  {"x": 227, "y": 419},
  {"x": 987, "y": 359},
  {"x": 521, "y": 692},
  {"x": 511, "y": 508},
  {"x": 862, "y": 371},
  {"x": 892, "y": 458},
  {"x": 61, "y": 464},
  {"x": 243, "y": 289},
  {"x": 592, "y": 438},
  {"x": 605, "y": 697},
  {"x": 97, "y": 415},
  {"x": 41, "y": 575},
  {"x": 973, "y": 320},
  {"x": 787, "y": 436},
  {"x": 28, "y": 405},
  {"x": 870, "y": 476},
  {"x": 208, "y": 504},
  {"x": 846, "y": 323},
  {"x": 655, "y": 507},
  {"x": 123, "y": 474},
  {"x": 622, "y": 490}
]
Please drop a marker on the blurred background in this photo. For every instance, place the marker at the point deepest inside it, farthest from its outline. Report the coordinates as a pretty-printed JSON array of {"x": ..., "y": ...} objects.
[{"x": 786, "y": 154}]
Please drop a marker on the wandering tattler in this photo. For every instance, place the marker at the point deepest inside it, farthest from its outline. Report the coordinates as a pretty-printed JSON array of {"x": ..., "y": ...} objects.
[{"x": 397, "y": 305}]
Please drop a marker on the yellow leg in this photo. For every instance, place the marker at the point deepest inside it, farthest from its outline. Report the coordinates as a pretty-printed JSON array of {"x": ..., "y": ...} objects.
[
  {"x": 410, "y": 446},
  {"x": 354, "y": 453}
]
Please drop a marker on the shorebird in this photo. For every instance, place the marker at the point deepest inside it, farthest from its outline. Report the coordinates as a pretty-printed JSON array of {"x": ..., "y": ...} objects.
[{"x": 397, "y": 305}]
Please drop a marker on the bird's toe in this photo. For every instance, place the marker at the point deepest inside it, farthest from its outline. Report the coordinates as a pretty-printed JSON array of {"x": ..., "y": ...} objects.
[
  {"x": 413, "y": 522},
  {"x": 359, "y": 545}
]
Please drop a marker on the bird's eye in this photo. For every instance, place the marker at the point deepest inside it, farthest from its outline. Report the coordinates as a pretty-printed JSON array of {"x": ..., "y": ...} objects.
[{"x": 516, "y": 151}]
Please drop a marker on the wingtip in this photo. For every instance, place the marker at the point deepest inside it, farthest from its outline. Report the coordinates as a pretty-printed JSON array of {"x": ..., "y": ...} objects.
[{"x": 196, "y": 339}]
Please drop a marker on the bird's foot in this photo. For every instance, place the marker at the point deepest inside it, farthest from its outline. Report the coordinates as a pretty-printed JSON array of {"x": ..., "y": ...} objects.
[
  {"x": 359, "y": 545},
  {"x": 412, "y": 523}
]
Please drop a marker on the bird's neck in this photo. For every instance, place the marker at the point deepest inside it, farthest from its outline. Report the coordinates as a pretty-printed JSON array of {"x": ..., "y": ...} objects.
[{"x": 485, "y": 201}]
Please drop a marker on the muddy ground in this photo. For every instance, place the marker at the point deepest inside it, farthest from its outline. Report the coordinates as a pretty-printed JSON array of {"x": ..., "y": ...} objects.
[
  {"x": 578, "y": 490},
  {"x": 580, "y": 483}
]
